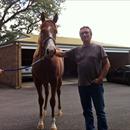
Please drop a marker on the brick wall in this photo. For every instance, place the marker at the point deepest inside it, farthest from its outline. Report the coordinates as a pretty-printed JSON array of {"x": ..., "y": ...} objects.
[{"x": 10, "y": 57}]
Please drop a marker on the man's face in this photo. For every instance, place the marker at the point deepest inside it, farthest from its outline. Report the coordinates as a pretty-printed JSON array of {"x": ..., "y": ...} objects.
[{"x": 85, "y": 35}]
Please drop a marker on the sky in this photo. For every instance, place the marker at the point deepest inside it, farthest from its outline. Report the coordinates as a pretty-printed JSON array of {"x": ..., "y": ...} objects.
[{"x": 108, "y": 19}]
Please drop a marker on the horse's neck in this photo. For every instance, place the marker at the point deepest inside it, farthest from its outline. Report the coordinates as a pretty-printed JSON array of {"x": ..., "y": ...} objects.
[{"x": 38, "y": 52}]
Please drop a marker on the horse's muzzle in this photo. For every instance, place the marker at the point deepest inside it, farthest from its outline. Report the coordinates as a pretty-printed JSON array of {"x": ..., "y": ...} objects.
[{"x": 50, "y": 53}]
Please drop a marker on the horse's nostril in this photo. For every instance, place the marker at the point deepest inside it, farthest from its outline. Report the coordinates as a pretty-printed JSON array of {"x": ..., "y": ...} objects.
[{"x": 47, "y": 51}]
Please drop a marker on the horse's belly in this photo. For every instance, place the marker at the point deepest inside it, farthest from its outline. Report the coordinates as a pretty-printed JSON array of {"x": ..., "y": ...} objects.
[{"x": 45, "y": 74}]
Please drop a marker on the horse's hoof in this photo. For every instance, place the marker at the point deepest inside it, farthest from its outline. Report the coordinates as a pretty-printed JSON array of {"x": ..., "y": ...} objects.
[
  {"x": 53, "y": 128},
  {"x": 60, "y": 113},
  {"x": 40, "y": 126}
]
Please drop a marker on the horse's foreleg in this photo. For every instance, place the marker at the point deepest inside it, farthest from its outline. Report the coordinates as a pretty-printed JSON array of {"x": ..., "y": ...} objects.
[
  {"x": 53, "y": 125},
  {"x": 41, "y": 101},
  {"x": 60, "y": 113},
  {"x": 46, "y": 98},
  {"x": 52, "y": 103}
]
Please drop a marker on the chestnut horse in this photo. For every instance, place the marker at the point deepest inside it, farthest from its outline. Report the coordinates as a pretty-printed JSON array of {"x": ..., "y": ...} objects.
[{"x": 47, "y": 72}]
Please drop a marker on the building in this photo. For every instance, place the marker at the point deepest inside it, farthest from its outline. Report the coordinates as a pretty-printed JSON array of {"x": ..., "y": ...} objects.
[{"x": 20, "y": 53}]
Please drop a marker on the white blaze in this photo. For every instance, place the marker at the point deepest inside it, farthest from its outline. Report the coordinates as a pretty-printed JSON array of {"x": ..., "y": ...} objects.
[{"x": 51, "y": 44}]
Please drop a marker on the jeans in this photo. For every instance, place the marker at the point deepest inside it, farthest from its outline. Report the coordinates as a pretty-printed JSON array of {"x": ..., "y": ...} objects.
[{"x": 93, "y": 93}]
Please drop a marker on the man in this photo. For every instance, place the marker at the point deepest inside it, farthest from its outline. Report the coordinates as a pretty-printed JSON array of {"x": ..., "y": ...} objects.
[
  {"x": 1, "y": 71},
  {"x": 92, "y": 65}
]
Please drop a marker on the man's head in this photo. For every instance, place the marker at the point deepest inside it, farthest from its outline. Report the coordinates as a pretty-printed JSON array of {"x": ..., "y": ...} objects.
[{"x": 85, "y": 34}]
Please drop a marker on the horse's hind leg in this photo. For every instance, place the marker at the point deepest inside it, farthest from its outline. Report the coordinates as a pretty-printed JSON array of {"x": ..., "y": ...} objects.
[
  {"x": 46, "y": 98},
  {"x": 41, "y": 101},
  {"x": 52, "y": 103},
  {"x": 60, "y": 113}
]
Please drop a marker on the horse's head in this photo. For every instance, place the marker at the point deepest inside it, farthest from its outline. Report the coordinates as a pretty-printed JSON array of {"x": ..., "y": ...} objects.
[{"x": 48, "y": 35}]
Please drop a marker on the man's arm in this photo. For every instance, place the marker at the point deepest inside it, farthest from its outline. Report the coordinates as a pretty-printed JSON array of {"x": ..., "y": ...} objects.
[{"x": 105, "y": 69}]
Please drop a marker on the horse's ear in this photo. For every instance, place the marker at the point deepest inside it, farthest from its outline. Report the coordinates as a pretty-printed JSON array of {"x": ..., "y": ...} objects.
[
  {"x": 42, "y": 17},
  {"x": 55, "y": 18}
]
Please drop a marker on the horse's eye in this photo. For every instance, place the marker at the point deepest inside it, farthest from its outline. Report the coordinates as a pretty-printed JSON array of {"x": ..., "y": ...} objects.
[
  {"x": 55, "y": 31},
  {"x": 43, "y": 32}
]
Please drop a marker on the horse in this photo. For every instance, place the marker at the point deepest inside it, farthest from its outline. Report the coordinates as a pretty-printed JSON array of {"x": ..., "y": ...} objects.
[{"x": 49, "y": 71}]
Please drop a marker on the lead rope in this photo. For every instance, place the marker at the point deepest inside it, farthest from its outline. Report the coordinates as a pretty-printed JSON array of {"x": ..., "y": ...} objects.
[{"x": 21, "y": 68}]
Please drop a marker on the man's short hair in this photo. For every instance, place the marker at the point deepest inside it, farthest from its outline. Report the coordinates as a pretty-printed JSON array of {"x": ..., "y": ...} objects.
[{"x": 87, "y": 28}]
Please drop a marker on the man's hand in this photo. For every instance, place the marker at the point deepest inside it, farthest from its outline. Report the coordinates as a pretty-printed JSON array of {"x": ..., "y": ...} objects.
[
  {"x": 1, "y": 71},
  {"x": 105, "y": 69},
  {"x": 98, "y": 81},
  {"x": 59, "y": 53}
]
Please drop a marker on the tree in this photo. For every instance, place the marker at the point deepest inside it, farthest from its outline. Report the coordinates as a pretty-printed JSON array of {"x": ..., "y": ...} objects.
[{"x": 22, "y": 16}]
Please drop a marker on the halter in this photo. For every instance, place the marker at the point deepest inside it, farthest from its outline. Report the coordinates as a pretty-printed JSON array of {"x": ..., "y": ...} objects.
[{"x": 48, "y": 38}]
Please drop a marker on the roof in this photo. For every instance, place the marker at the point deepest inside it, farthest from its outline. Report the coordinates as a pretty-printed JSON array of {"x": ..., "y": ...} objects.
[
  {"x": 59, "y": 40},
  {"x": 66, "y": 41}
]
